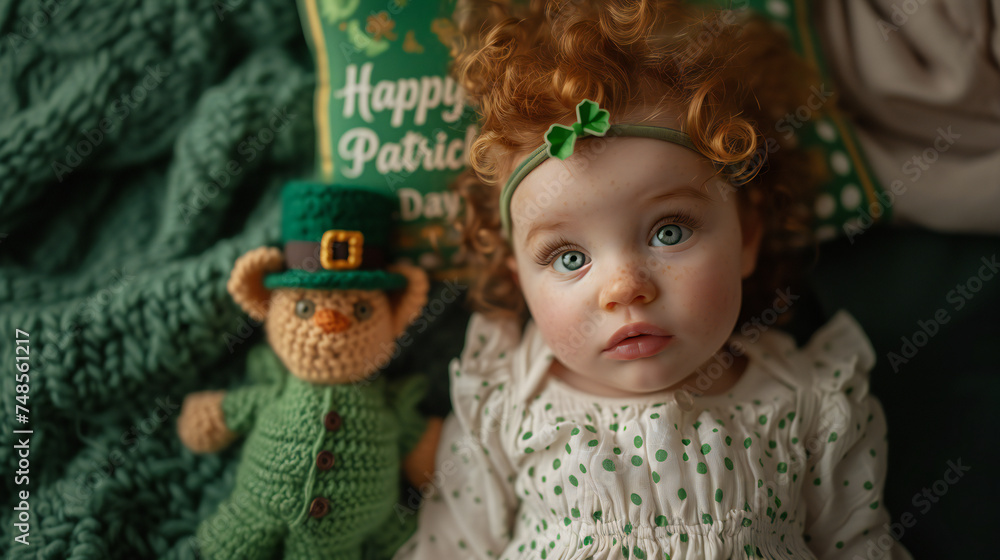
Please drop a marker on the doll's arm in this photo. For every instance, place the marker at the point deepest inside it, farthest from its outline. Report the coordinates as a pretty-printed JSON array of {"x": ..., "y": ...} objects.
[
  {"x": 210, "y": 420},
  {"x": 418, "y": 468},
  {"x": 201, "y": 425},
  {"x": 418, "y": 436},
  {"x": 845, "y": 513},
  {"x": 404, "y": 396},
  {"x": 241, "y": 406},
  {"x": 469, "y": 504},
  {"x": 419, "y": 464}
]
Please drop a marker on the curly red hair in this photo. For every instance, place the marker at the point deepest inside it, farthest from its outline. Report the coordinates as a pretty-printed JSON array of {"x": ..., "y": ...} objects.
[{"x": 729, "y": 73}]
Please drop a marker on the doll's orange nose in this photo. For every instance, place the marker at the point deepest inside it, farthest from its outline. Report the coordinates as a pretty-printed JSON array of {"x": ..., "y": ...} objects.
[{"x": 331, "y": 320}]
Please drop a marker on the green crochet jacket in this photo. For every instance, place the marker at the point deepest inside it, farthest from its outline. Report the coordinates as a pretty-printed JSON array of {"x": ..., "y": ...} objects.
[{"x": 321, "y": 463}]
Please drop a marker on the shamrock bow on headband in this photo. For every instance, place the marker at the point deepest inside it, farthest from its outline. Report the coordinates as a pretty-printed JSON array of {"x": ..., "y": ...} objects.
[{"x": 591, "y": 120}]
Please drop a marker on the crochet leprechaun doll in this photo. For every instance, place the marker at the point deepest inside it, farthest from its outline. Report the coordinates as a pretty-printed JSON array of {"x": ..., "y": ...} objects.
[{"x": 319, "y": 473}]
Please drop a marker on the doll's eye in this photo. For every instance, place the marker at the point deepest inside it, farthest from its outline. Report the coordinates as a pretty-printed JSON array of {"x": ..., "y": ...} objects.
[
  {"x": 362, "y": 309},
  {"x": 671, "y": 234},
  {"x": 570, "y": 261},
  {"x": 305, "y": 308}
]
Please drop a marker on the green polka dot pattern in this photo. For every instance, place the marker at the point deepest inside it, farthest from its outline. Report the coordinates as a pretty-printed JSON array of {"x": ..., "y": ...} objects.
[{"x": 744, "y": 459}]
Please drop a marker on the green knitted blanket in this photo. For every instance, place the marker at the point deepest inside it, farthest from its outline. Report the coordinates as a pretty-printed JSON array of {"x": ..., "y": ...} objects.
[{"x": 142, "y": 149}]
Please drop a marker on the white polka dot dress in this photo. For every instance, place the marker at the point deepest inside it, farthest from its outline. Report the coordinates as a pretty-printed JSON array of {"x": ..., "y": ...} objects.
[{"x": 789, "y": 464}]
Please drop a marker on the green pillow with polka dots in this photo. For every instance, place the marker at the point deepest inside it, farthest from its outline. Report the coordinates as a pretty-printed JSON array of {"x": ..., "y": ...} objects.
[{"x": 852, "y": 198}]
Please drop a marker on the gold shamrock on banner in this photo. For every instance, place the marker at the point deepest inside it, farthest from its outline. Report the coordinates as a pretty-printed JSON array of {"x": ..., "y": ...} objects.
[
  {"x": 410, "y": 43},
  {"x": 381, "y": 26},
  {"x": 445, "y": 30}
]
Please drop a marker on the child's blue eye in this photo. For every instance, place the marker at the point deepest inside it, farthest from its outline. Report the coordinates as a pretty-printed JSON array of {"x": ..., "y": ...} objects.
[
  {"x": 671, "y": 234},
  {"x": 570, "y": 261}
]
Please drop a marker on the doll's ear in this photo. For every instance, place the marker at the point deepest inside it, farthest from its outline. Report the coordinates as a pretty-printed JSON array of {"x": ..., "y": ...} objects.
[
  {"x": 246, "y": 282},
  {"x": 407, "y": 303}
]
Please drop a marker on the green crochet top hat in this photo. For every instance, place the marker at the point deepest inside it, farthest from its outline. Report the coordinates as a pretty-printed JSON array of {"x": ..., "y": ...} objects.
[{"x": 336, "y": 238}]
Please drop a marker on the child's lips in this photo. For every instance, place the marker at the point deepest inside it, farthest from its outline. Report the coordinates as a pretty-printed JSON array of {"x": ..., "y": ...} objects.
[
  {"x": 642, "y": 346},
  {"x": 637, "y": 340}
]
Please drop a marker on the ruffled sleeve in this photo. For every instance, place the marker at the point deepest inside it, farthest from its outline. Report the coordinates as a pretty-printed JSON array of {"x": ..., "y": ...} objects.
[
  {"x": 846, "y": 449},
  {"x": 469, "y": 511}
]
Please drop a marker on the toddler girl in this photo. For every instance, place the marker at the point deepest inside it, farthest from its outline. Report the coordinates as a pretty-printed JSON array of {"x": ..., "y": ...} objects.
[{"x": 648, "y": 408}]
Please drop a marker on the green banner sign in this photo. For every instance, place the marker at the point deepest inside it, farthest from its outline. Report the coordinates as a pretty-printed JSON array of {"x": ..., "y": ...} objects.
[{"x": 388, "y": 116}]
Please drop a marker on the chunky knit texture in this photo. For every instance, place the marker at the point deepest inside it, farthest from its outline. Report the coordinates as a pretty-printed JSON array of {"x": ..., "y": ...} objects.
[
  {"x": 310, "y": 211},
  {"x": 115, "y": 247},
  {"x": 295, "y": 455},
  {"x": 312, "y": 208}
]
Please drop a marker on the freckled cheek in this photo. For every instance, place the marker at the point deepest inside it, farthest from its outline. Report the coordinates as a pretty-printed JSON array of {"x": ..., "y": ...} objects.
[
  {"x": 710, "y": 295},
  {"x": 556, "y": 312}
]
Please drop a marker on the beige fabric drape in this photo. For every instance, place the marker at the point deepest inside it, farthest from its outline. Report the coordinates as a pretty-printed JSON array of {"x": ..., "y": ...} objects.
[{"x": 921, "y": 79}]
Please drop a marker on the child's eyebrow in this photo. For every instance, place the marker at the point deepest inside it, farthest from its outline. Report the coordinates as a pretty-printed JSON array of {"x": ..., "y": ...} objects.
[
  {"x": 682, "y": 192},
  {"x": 688, "y": 192},
  {"x": 540, "y": 227}
]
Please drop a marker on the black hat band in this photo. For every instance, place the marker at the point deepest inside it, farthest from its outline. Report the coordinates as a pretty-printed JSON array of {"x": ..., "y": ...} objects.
[{"x": 336, "y": 253}]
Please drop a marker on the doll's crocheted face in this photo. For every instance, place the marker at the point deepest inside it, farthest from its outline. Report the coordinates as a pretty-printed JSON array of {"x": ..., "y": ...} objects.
[
  {"x": 330, "y": 336},
  {"x": 641, "y": 241}
]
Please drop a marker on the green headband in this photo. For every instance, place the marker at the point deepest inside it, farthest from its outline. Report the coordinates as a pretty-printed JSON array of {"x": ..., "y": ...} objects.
[{"x": 560, "y": 141}]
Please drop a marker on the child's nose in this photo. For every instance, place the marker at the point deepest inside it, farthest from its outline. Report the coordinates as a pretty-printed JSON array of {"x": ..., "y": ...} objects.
[
  {"x": 331, "y": 320},
  {"x": 630, "y": 283}
]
